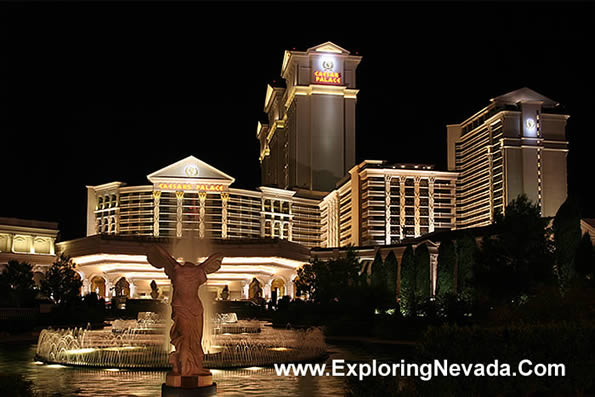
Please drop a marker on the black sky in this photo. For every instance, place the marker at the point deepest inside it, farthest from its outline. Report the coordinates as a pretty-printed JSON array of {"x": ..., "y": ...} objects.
[{"x": 96, "y": 92}]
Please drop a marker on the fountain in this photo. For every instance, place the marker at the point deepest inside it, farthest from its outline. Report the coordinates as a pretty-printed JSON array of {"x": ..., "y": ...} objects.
[
  {"x": 143, "y": 344},
  {"x": 131, "y": 348}
]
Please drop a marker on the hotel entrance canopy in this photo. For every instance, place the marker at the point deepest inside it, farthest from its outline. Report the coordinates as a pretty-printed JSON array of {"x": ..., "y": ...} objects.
[{"x": 112, "y": 258}]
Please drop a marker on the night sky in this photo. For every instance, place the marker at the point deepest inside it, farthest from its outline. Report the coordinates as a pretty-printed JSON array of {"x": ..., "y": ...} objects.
[{"x": 93, "y": 93}]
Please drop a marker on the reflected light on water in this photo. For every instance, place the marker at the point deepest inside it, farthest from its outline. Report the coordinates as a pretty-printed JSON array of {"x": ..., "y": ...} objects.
[
  {"x": 79, "y": 351},
  {"x": 122, "y": 348},
  {"x": 253, "y": 381}
]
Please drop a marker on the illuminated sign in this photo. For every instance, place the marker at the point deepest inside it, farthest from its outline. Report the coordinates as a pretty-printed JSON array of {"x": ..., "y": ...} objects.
[
  {"x": 530, "y": 127},
  {"x": 327, "y": 77},
  {"x": 191, "y": 170},
  {"x": 203, "y": 187},
  {"x": 328, "y": 74}
]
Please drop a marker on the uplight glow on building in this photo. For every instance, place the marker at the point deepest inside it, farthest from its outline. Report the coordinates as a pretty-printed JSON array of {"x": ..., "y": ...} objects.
[{"x": 314, "y": 197}]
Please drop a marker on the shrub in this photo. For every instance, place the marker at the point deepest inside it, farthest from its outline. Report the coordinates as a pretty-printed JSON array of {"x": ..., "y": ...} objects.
[{"x": 566, "y": 343}]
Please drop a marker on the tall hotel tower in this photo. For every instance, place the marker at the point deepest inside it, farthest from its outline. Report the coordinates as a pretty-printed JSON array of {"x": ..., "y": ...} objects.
[
  {"x": 517, "y": 144},
  {"x": 309, "y": 139}
]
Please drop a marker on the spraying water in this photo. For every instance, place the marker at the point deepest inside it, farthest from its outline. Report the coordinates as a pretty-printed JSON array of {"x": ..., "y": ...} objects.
[{"x": 146, "y": 343}]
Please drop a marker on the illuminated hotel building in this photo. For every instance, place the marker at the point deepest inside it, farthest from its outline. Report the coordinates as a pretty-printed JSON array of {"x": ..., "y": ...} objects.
[
  {"x": 191, "y": 198},
  {"x": 382, "y": 204},
  {"x": 28, "y": 241},
  {"x": 315, "y": 199},
  {"x": 265, "y": 234},
  {"x": 517, "y": 144},
  {"x": 309, "y": 139}
]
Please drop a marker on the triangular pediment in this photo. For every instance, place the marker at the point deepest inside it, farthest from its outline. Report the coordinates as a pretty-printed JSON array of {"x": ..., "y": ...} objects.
[
  {"x": 524, "y": 95},
  {"x": 190, "y": 170},
  {"x": 328, "y": 47}
]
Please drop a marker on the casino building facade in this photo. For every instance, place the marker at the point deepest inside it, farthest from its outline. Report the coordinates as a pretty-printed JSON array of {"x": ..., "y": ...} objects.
[
  {"x": 517, "y": 144},
  {"x": 28, "y": 241},
  {"x": 314, "y": 197}
]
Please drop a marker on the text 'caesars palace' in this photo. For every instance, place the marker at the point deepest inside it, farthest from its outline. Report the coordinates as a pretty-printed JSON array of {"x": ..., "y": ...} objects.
[{"x": 314, "y": 198}]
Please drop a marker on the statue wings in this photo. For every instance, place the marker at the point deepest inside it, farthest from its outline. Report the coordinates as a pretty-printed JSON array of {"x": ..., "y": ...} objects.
[
  {"x": 160, "y": 258},
  {"x": 213, "y": 263}
]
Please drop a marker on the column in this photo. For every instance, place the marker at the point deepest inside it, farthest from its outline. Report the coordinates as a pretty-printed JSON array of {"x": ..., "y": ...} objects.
[
  {"x": 117, "y": 214},
  {"x": 452, "y": 186},
  {"x": 290, "y": 226},
  {"x": 108, "y": 289},
  {"x": 262, "y": 218},
  {"x": 224, "y": 200},
  {"x": 52, "y": 246},
  {"x": 290, "y": 289},
  {"x": 491, "y": 178},
  {"x": 10, "y": 242},
  {"x": 156, "y": 198},
  {"x": 86, "y": 286},
  {"x": 431, "y": 204},
  {"x": 433, "y": 272},
  {"x": 245, "y": 289},
  {"x": 328, "y": 224},
  {"x": 132, "y": 288},
  {"x": 266, "y": 291},
  {"x": 539, "y": 178},
  {"x": 336, "y": 238},
  {"x": 180, "y": 200},
  {"x": 333, "y": 221},
  {"x": 539, "y": 182},
  {"x": 416, "y": 181},
  {"x": 262, "y": 224},
  {"x": 402, "y": 206},
  {"x": 202, "y": 198},
  {"x": 387, "y": 231}
]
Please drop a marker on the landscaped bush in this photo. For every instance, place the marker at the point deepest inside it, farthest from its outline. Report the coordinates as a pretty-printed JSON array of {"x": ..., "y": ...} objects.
[{"x": 571, "y": 344}]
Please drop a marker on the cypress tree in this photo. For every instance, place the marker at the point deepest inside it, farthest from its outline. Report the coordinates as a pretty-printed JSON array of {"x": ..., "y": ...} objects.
[
  {"x": 408, "y": 283},
  {"x": 567, "y": 236},
  {"x": 466, "y": 251},
  {"x": 391, "y": 267},
  {"x": 379, "y": 290},
  {"x": 422, "y": 266},
  {"x": 447, "y": 258},
  {"x": 378, "y": 273},
  {"x": 585, "y": 258}
]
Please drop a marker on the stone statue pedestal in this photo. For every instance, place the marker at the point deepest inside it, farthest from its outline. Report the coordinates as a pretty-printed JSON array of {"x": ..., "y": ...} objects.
[
  {"x": 188, "y": 386},
  {"x": 186, "y": 382}
]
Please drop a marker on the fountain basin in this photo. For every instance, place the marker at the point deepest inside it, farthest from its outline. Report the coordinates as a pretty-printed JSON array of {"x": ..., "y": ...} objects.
[{"x": 138, "y": 350}]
